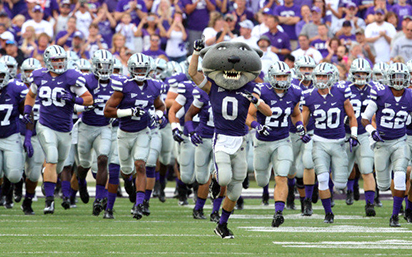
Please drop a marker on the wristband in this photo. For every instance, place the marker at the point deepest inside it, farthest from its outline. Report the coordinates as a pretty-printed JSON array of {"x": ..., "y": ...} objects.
[
  {"x": 369, "y": 128},
  {"x": 175, "y": 125},
  {"x": 124, "y": 113},
  {"x": 298, "y": 123},
  {"x": 78, "y": 100},
  {"x": 201, "y": 85},
  {"x": 159, "y": 114},
  {"x": 254, "y": 124},
  {"x": 27, "y": 109},
  {"x": 196, "y": 52},
  {"x": 354, "y": 131},
  {"x": 258, "y": 103}
]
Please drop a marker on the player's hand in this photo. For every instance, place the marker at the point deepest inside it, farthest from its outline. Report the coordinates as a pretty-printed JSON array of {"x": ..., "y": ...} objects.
[
  {"x": 263, "y": 130},
  {"x": 198, "y": 45},
  {"x": 375, "y": 136},
  {"x": 153, "y": 121},
  {"x": 250, "y": 97},
  {"x": 178, "y": 135},
  {"x": 66, "y": 97},
  {"x": 353, "y": 142},
  {"x": 305, "y": 138},
  {"x": 137, "y": 111},
  {"x": 196, "y": 139},
  {"x": 300, "y": 130},
  {"x": 28, "y": 147},
  {"x": 27, "y": 118}
]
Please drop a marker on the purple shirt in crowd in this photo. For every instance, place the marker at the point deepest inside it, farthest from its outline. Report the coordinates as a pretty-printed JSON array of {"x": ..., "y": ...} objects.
[
  {"x": 199, "y": 18},
  {"x": 279, "y": 40},
  {"x": 284, "y": 11}
]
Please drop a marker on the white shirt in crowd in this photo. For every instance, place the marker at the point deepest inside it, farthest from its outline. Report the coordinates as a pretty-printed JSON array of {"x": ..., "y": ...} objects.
[
  {"x": 175, "y": 46},
  {"x": 83, "y": 22},
  {"x": 381, "y": 45},
  {"x": 312, "y": 52},
  {"x": 127, "y": 31},
  {"x": 43, "y": 26},
  {"x": 268, "y": 58},
  {"x": 252, "y": 41}
]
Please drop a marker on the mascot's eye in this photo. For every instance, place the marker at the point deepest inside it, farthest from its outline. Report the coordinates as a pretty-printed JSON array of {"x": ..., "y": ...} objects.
[
  {"x": 221, "y": 48},
  {"x": 243, "y": 48}
]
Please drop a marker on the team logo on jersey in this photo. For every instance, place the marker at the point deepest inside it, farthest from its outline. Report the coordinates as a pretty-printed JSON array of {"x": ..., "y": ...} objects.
[
  {"x": 133, "y": 95},
  {"x": 333, "y": 104},
  {"x": 43, "y": 82},
  {"x": 317, "y": 106},
  {"x": 220, "y": 89},
  {"x": 404, "y": 107},
  {"x": 288, "y": 102},
  {"x": 387, "y": 105},
  {"x": 96, "y": 91},
  {"x": 272, "y": 102}
]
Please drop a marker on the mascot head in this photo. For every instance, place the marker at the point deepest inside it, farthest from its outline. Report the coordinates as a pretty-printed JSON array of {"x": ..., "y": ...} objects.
[{"x": 231, "y": 64}]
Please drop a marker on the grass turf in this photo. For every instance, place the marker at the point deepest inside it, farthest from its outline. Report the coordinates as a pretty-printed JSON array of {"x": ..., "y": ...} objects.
[{"x": 171, "y": 231}]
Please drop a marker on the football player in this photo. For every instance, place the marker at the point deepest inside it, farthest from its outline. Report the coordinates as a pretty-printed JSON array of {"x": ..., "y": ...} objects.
[
  {"x": 11, "y": 64},
  {"x": 59, "y": 89},
  {"x": 230, "y": 162},
  {"x": 392, "y": 104},
  {"x": 131, "y": 103},
  {"x": 328, "y": 103}
]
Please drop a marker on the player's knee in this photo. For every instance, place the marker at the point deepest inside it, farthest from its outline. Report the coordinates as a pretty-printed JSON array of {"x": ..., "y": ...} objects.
[
  {"x": 140, "y": 166},
  {"x": 186, "y": 177},
  {"x": 234, "y": 190},
  {"x": 340, "y": 185},
  {"x": 102, "y": 160},
  {"x": 202, "y": 177},
  {"x": 261, "y": 179},
  {"x": 299, "y": 183},
  {"x": 399, "y": 180},
  {"x": 323, "y": 180},
  {"x": 14, "y": 176}
]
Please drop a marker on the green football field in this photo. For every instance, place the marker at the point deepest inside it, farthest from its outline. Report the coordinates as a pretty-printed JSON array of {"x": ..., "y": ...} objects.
[{"x": 171, "y": 231}]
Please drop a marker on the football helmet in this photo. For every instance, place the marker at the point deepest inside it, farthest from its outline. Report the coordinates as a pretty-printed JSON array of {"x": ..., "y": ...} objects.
[
  {"x": 360, "y": 65},
  {"x": 71, "y": 55},
  {"x": 27, "y": 67},
  {"x": 324, "y": 69},
  {"x": 409, "y": 64},
  {"x": 161, "y": 69},
  {"x": 279, "y": 69},
  {"x": 379, "y": 73},
  {"x": 199, "y": 63},
  {"x": 398, "y": 76},
  {"x": 51, "y": 55},
  {"x": 139, "y": 66},
  {"x": 11, "y": 64},
  {"x": 102, "y": 64},
  {"x": 84, "y": 65},
  {"x": 4, "y": 75},
  {"x": 304, "y": 61},
  {"x": 117, "y": 66},
  {"x": 173, "y": 68}
]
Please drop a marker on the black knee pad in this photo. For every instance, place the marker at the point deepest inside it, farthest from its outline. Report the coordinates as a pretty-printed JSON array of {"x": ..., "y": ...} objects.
[{"x": 299, "y": 183}]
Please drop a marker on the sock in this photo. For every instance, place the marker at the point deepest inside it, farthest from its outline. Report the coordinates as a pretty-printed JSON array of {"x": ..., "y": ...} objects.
[
  {"x": 162, "y": 180},
  {"x": 225, "y": 216},
  {"x": 66, "y": 188},
  {"x": 327, "y": 205},
  {"x": 200, "y": 203},
  {"x": 49, "y": 188},
  {"x": 99, "y": 192},
  {"x": 369, "y": 196},
  {"x": 309, "y": 191},
  {"x": 350, "y": 184},
  {"x": 147, "y": 195},
  {"x": 331, "y": 184},
  {"x": 150, "y": 172},
  {"x": 397, "y": 203},
  {"x": 29, "y": 195},
  {"x": 73, "y": 193},
  {"x": 356, "y": 184},
  {"x": 111, "y": 198},
  {"x": 291, "y": 182},
  {"x": 82, "y": 182},
  {"x": 266, "y": 189},
  {"x": 279, "y": 206},
  {"x": 216, "y": 203},
  {"x": 408, "y": 204},
  {"x": 157, "y": 175},
  {"x": 180, "y": 183},
  {"x": 302, "y": 198},
  {"x": 139, "y": 197}
]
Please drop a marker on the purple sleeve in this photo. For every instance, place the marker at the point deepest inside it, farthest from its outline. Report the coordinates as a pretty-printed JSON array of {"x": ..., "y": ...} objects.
[
  {"x": 144, "y": 8},
  {"x": 276, "y": 10},
  {"x": 119, "y": 7},
  {"x": 287, "y": 42},
  {"x": 59, "y": 35},
  {"x": 370, "y": 10}
]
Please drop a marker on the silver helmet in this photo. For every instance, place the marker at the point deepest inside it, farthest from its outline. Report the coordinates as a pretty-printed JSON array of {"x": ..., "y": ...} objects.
[
  {"x": 102, "y": 64},
  {"x": 409, "y": 64},
  {"x": 84, "y": 65},
  {"x": 27, "y": 67},
  {"x": 52, "y": 54},
  {"x": 398, "y": 76},
  {"x": 71, "y": 55},
  {"x": 139, "y": 66},
  {"x": 4, "y": 75},
  {"x": 379, "y": 73},
  {"x": 360, "y": 65},
  {"x": 117, "y": 66},
  {"x": 301, "y": 62},
  {"x": 11, "y": 64},
  {"x": 161, "y": 69},
  {"x": 279, "y": 69},
  {"x": 325, "y": 69}
]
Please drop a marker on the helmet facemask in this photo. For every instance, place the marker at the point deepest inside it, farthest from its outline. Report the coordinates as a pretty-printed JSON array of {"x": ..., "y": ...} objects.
[
  {"x": 360, "y": 78},
  {"x": 58, "y": 64},
  {"x": 4, "y": 79},
  {"x": 139, "y": 73},
  {"x": 103, "y": 70},
  {"x": 323, "y": 81},
  {"x": 280, "y": 81},
  {"x": 399, "y": 81}
]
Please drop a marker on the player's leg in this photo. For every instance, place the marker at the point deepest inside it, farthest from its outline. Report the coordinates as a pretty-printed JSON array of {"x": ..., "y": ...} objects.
[
  {"x": 155, "y": 146},
  {"x": 64, "y": 144},
  {"x": 12, "y": 159},
  {"x": 114, "y": 172},
  {"x": 186, "y": 161},
  {"x": 262, "y": 154},
  {"x": 309, "y": 179},
  {"x": 165, "y": 158},
  {"x": 352, "y": 172},
  {"x": 86, "y": 138}
]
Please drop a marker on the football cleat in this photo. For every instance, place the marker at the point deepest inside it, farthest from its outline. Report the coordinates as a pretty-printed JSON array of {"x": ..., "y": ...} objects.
[
  {"x": 222, "y": 231},
  {"x": 108, "y": 214},
  {"x": 146, "y": 211},
  {"x": 18, "y": 191},
  {"x": 402, "y": 211},
  {"x": 119, "y": 189},
  {"x": 377, "y": 202},
  {"x": 290, "y": 201},
  {"x": 73, "y": 202},
  {"x": 332, "y": 202},
  {"x": 49, "y": 208},
  {"x": 84, "y": 194},
  {"x": 394, "y": 221},
  {"x": 162, "y": 195},
  {"x": 215, "y": 217},
  {"x": 26, "y": 207},
  {"x": 408, "y": 215},
  {"x": 97, "y": 207},
  {"x": 66, "y": 203},
  {"x": 245, "y": 183},
  {"x": 239, "y": 204},
  {"x": 214, "y": 189},
  {"x": 198, "y": 214},
  {"x": 315, "y": 195},
  {"x": 356, "y": 194},
  {"x": 182, "y": 195},
  {"x": 329, "y": 218},
  {"x": 265, "y": 199},
  {"x": 349, "y": 197},
  {"x": 2, "y": 200},
  {"x": 9, "y": 200},
  {"x": 277, "y": 219},
  {"x": 370, "y": 210},
  {"x": 307, "y": 207},
  {"x": 130, "y": 190},
  {"x": 138, "y": 212}
]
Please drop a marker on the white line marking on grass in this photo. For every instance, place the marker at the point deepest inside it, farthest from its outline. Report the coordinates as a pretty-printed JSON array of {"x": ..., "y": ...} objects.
[
  {"x": 331, "y": 229},
  {"x": 105, "y": 235},
  {"x": 383, "y": 244},
  {"x": 297, "y": 217}
]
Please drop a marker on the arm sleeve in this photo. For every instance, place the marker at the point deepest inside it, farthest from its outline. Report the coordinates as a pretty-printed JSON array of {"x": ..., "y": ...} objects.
[
  {"x": 370, "y": 110},
  {"x": 33, "y": 88},
  {"x": 197, "y": 103},
  {"x": 181, "y": 99}
]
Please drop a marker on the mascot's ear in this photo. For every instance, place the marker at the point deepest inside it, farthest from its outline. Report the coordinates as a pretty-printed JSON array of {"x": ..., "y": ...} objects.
[
  {"x": 204, "y": 51},
  {"x": 258, "y": 51}
]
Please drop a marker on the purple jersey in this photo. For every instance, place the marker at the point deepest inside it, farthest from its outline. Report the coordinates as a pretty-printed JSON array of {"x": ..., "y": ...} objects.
[
  {"x": 392, "y": 114},
  {"x": 347, "y": 40},
  {"x": 133, "y": 96},
  {"x": 311, "y": 123},
  {"x": 154, "y": 54},
  {"x": 293, "y": 11},
  {"x": 230, "y": 109},
  {"x": 69, "y": 39},
  {"x": 206, "y": 126},
  {"x": 199, "y": 18},
  {"x": 359, "y": 99},
  {"x": 54, "y": 112},
  {"x": 279, "y": 40},
  {"x": 185, "y": 98},
  {"x": 101, "y": 93},
  {"x": 124, "y": 5},
  {"x": 282, "y": 108},
  {"x": 401, "y": 11},
  {"x": 321, "y": 46},
  {"x": 10, "y": 98},
  {"x": 328, "y": 112},
  {"x": 36, "y": 109}
]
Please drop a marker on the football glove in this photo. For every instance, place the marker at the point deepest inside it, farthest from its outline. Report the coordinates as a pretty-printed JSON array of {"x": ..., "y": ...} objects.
[
  {"x": 353, "y": 141},
  {"x": 250, "y": 97},
  {"x": 137, "y": 111},
  {"x": 195, "y": 138},
  {"x": 376, "y": 136},
  {"x": 198, "y": 45},
  {"x": 178, "y": 135}
]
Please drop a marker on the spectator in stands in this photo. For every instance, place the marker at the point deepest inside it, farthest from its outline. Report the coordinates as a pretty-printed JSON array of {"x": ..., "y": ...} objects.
[
  {"x": 279, "y": 40},
  {"x": 154, "y": 50},
  {"x": 403, "y": 45},
  {"x": 38, "y": 23},
  {"x": 95, "y": 40},
  {"x": 343, "y": 71},
  {"x": 290, "y": 60},
  {"x": 65, "y": 38},
  {"x": 311, "y": 29},
  {"x": 241, "y": 13},
  {"x": 118, "y": 43},
  {"x": 305, "y": 49},
  {"x": 401, "y": 9},
  {"x": 321, "y": 43},
  {"x": 306, "y": 18},
  {"x": 355, "y": 22},
  {"x": 63, "y": 18},
  {"x": 136, "y": 8},
  {"x": 246, "y": 27},
  {"x": 16, "y": 25},
  {"x": 84, "y": 17},
  {"x": 380, "y": 33},
  {"x": 216, "y": 24},
  {"x": 356, "y": 52},
  {"x": 150, "y": 25},
  {"x": 367, "y": 49},
  {"x": 346, "y": 38},
  {"x": 371, "y": 11},
  {"x": 392, "y": 18},
  {"x": 333, "y": 46},
  {"x": 106, "y": 23},
  {"x": 398, "y": 59},
  {"x": 5, "y": 36},
  {"x": 176, "y": 48},
  {"x": 406, "y": 20},
  {"x": 12, "y": 50},
  {"x": 363, "y": 5},
  {"x": 289, "y": 16},
  {"x": 128, "y": 30},
  {"x": 262, "y": 27},
  {"x": 197, "y": 18},
  {"x": 229, "y": 30},
  {"x": 43, "y": 42},
  {"x": 268, "y": 57},
  {"x": 29, "y": 42},
  {"x": 78, "y": 45},
  {"x": 326, "y": 17}
]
